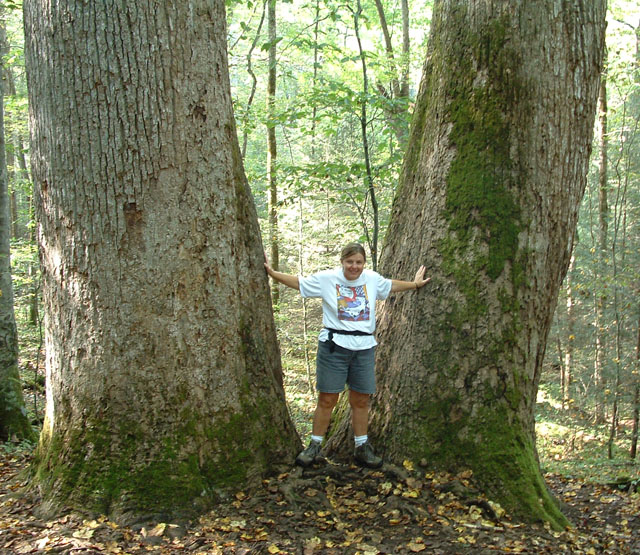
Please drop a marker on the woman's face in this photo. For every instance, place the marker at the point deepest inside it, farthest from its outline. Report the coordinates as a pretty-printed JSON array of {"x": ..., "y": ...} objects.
[{"x": 352, "y": 266}]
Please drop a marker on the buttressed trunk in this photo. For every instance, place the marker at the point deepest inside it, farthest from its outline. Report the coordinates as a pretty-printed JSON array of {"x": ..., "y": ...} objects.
[
  {"x": 488, "y": 201},
  {"x": 164, "y": 381}
]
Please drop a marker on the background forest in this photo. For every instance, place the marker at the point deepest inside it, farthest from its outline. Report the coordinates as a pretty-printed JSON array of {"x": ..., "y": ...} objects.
[{"x": 323, "y": 96}]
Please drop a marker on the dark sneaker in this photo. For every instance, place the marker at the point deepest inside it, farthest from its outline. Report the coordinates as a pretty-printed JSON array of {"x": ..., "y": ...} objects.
[
  {"x": 366, "y": 457},
  {"x": 310, "y": 454}
]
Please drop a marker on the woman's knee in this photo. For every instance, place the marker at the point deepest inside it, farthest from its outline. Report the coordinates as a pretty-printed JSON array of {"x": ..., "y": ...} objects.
[
  {"x": 328, "y": 400},
  {"x": 358, "y": 400}
]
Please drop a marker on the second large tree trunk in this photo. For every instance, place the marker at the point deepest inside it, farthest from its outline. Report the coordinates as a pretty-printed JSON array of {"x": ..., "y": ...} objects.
[
  {"x": 488, "y": 200},
  {"x": 164, "y": 382}
]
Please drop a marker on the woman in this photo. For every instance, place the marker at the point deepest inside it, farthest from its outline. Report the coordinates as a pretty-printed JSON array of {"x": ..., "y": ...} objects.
[{"x": 346, "y": 346}]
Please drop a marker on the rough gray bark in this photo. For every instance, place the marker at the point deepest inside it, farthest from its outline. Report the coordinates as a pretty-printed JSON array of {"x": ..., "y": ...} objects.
[
  {"x": 164, "y": 382},
  {"x": 488, "y": 200}
]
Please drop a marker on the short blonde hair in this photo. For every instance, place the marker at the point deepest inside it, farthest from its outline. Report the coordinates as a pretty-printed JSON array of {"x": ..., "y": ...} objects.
[{"x": 352, "y": 248}]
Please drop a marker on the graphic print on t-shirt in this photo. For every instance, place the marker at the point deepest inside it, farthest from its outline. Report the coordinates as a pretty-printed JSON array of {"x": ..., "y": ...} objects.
[{"x": 353, "y": 303}]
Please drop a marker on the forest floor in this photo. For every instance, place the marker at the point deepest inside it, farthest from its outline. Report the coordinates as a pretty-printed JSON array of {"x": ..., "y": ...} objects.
[{"x": 335, "y": 509}]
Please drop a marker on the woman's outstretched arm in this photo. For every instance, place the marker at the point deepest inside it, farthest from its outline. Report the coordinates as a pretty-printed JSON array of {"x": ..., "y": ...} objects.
[
  {"x": 419, "y": 281},
  {"x": 286, "y": 279}
]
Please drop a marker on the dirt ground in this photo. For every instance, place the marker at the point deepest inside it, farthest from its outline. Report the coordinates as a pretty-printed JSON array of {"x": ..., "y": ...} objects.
[{"x": 335, "y": 509}]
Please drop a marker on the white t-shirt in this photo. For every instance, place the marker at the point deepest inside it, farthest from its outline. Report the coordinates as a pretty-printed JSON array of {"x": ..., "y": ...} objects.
[{"x": 347, "y": 305}]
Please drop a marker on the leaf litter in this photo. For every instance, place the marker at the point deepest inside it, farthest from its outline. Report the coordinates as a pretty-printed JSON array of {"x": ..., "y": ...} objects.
[{"x": 336, "y": 509}]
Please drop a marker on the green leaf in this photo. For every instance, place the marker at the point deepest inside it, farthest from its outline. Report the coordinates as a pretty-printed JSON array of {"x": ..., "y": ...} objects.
[{"x": 268, "y": 45}]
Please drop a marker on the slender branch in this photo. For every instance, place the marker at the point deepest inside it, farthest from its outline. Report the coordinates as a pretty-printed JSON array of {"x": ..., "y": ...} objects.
[
  {"x": 365, "y": 141},
  {"x": 254, "y": 85},
  {"x": 389, "y": 48}
]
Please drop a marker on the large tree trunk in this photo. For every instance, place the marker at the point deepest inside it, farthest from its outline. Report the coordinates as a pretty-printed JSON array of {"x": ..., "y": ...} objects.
[
  {"x": 164, "y": 382},
  {"x": 488, "y": 201},
  {"x": 14, "y": 422}
]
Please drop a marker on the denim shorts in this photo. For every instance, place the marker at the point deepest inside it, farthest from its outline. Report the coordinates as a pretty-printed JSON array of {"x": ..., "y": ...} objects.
[{"x": 344, "y": 366}]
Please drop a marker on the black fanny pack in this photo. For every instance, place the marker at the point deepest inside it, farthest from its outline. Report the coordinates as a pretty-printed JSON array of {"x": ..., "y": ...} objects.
[{"x": 332, "y": 345}]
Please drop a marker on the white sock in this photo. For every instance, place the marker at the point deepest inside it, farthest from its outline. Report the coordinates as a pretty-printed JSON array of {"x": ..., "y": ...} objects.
[
  {"x": 317, "y": 439},
  {"x": 360, "y": 440}
]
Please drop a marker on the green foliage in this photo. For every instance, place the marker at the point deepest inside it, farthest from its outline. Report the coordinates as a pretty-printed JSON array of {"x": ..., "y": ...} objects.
[
  {"x": 605, "y": 277},
  {"x": 570, "y": 444},
  {"x": 320, "y": 151},
  {"x": 20, "y": 447},
  {"x": 26, "y": 279},
  {"x": 16, "y": 123}
]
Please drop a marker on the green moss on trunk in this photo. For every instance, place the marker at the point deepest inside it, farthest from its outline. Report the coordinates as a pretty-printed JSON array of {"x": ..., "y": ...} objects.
[
  {"x": 484, "y": 218},
  {"x": 14, "y": 421},
  {"x": 493, "y": 445},
  {"x": 109, "y": 473}
]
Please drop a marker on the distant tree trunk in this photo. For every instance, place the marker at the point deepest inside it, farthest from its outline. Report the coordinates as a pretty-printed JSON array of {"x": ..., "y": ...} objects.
[
  {"x": 636, "y": 400},
  {"x": 561, "y": 360},
  {"x": 372, "y": 234},
  {"x": 164, "y": 383},
  {"x": 314, "y": 114},
  {"x": 399, "y": 87},
  {"x": 14, "y": 422},
  {"x": 603, "y": 227},
  {"x": 305, "y": 315},
  {"x": 272, "y": 151},
  {"x": 10, "y": 89},
  {"x": 33, "y": 270},
  {"x": 393, "y": 70},
  {"x": 13, "y": 200},
  {"x": 254, "y": 83},
  {"x": 618, "y": 256},
  {"x": 616, "y": 389},
  {"x": 19, "y": 150},
  {"x": 406, "y": 49},
  {"x": 488, "y": 200},
  {"x": 15, "y": 230},
  {"x": 571, "y": 336},
  {"x": 636, "y": 389}
]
